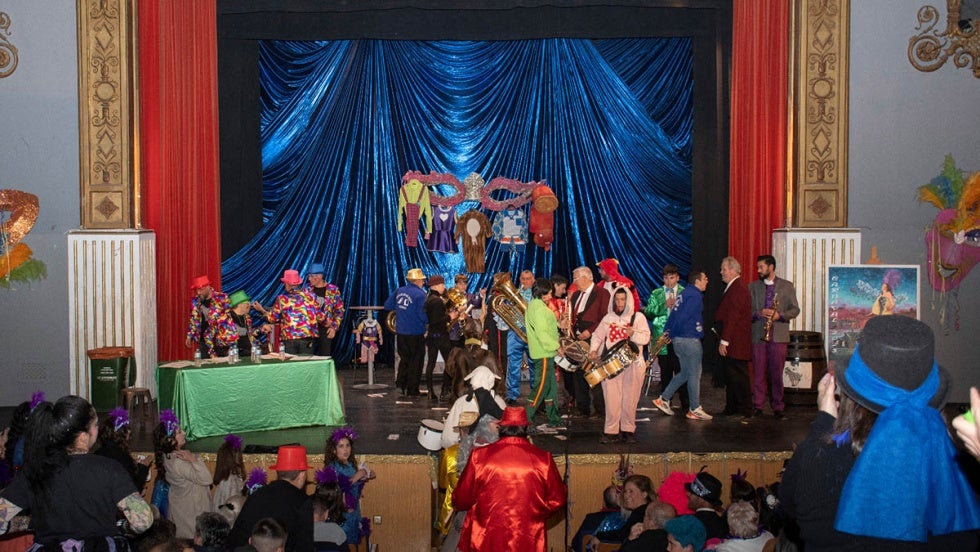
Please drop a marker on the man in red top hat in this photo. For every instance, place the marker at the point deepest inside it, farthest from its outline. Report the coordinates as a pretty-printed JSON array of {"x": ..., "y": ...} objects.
[
  {"x": 207, "y": 307},
  {"x": 282, "y": 499},
  {"x": 509, "y": 490}
]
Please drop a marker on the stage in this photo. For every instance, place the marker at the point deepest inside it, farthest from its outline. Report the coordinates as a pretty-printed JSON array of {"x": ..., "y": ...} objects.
[{"x": 388, "y": 424}]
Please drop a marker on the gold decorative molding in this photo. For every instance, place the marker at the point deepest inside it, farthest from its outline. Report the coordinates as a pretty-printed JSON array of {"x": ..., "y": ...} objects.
[
  {"x": 8, "y": 52},
  {"x": 959, "y": 41},
  {"x": 107, "y": 113},
  {"x": 819, "y": 42}
]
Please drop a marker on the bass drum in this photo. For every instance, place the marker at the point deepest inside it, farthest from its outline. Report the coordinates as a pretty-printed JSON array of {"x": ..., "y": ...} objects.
[{"x": 430, "y": 435}]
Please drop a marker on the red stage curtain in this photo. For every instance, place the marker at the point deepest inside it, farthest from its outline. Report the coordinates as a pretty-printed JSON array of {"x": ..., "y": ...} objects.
[
  {"x": 179, "y": 153},
  {"x": 757, "y": 202}
]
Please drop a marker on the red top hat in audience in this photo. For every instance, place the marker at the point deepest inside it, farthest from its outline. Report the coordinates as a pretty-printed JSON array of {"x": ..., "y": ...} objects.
[
  {"x": 290, "y": 458},
  {"x": 515, "y": 416}
]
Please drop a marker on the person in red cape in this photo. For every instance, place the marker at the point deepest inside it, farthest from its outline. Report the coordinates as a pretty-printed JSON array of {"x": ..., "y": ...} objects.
[
  {"x": 509, "y": 490},
  {"x": 612, "y": 279}
]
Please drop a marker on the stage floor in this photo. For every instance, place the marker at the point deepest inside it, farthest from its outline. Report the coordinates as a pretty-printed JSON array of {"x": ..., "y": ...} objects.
[{"x": 389, "y": 424}]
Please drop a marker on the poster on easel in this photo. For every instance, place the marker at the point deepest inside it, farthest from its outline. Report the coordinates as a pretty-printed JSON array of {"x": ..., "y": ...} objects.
[{"x": 858, "y": 293}]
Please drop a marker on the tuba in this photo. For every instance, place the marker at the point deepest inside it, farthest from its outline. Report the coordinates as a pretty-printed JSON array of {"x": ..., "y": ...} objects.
[{"x": 509, "y": 306}]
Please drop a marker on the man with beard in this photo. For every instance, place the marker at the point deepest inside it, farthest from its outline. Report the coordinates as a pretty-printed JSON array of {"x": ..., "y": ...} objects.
[
  {"x": 207, "y": 307},
  {"x": 621, "y": 393},
  {"x": 773, "y": 305},
  {"x": 329, "y": 300},
  {"x": 297, "y": 313}
]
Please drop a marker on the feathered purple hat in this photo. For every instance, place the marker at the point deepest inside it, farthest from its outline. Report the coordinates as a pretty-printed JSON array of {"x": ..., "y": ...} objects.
[
  {"x": 234, "y": 441},
  {"x": 257, "y": 478},
  {"x": 119, "y": 417},
  {"x": 169, "y": 420},
  {"x": 345, "y": 432}
]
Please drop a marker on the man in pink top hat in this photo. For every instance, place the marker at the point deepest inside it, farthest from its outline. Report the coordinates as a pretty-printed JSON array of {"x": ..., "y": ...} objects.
[
  {"x": 297, "y": 312},
  {"x": 207, "y": 307}
]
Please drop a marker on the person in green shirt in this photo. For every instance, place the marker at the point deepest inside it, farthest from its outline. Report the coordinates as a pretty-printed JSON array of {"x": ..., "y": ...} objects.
[{"x": 543, "y": 345}]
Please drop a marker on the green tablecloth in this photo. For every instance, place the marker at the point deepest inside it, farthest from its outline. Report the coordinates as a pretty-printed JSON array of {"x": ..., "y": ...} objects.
[{"x": 220, "y": 399}]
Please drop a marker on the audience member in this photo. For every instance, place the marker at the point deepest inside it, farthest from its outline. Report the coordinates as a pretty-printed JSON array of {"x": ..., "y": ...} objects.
[
  {"x": 283, "y": 499},
  {"x": 743, "y": 526},
  {"x": 189, "y": 478},
  {"x": 161, "y": 531},
  {"x": 743, "y": 491},
  {"x": 14, "y": 447},
  {"x": 71, "y": 495},
  {"x": 328, "y": 514},
  {"x": 685, "y": 534},
  {"x": 339, "y": 457},
  {"x": 651, "y": 534},
  {"x": 967, "y": 425},
  {"x": 229, "y": 471},
  {"x": 637, "y": 494},
  {"x": 611, "y": 515},
  {"x": 849, "y": 484},
  {"x": 210, "y": 532},
  {"x": 509, "y": 489},
  {"x": 113, "y": 443},
  {"x": 704, "y": 497},
  {"x": 268, "y": 535}
]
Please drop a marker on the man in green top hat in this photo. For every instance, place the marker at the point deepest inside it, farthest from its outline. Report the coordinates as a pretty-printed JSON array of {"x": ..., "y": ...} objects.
[{"x": 235, "y": 327}]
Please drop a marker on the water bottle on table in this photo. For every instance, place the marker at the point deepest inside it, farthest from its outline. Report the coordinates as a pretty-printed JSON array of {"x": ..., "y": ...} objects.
[
  {"x": 233, "y": 354},
  {"x": 282, "y": 351},
  {"x": 197, "y": 357}
]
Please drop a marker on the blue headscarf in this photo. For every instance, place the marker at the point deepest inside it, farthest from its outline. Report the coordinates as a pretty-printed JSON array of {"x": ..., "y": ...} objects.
[{"x": 905, "y": 484}]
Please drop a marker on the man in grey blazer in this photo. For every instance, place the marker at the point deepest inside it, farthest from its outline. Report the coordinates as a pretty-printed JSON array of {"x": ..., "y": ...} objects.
[{"x": 768, "y": 357}]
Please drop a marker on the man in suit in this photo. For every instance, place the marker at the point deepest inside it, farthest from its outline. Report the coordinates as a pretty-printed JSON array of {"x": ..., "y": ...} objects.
[
  {"x": 589, "y": 305},
  {"x": 773, "y": 299},
  {"x": 733, "y": 325}
]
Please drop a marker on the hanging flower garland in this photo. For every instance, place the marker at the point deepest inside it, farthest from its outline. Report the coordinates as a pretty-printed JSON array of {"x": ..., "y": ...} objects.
[
  {"x": 522, "y": 189},
  {"x": 436, "y": 179}
]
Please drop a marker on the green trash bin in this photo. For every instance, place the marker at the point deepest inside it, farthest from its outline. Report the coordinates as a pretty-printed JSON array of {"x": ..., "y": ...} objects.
[{"x": 112, "y": 370}]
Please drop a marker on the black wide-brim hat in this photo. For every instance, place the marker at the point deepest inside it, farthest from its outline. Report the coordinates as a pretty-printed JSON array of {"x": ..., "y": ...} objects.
[{"x": 901, "y": 351}]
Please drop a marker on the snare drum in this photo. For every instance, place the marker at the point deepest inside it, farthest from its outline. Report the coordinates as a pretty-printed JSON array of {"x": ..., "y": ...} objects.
[
  {"x": 430, "y": 434},
  {"x": 565, "y": 364},
  {"x": 594, "y": 373}
]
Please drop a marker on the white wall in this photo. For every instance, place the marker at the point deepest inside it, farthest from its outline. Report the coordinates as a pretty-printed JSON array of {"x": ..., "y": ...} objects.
[
  {"x": 39, "y": 154},
  {"x": 903, "y": 122}
]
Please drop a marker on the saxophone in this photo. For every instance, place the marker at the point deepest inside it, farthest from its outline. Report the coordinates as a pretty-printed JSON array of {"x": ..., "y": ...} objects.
[
  {"x": 768, "y": 335},
  {"x": 508, "y": 303}
]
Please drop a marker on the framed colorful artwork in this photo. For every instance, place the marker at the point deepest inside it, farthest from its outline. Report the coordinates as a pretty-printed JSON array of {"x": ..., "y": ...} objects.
[{"x": 857, "y": 293}]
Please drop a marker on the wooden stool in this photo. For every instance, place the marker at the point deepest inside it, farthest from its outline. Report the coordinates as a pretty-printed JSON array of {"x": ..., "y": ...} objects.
[{"x": 138, "y": 401}]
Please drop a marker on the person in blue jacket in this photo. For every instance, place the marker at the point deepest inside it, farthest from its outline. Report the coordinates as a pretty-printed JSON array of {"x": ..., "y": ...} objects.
[{"x": 686, "y": 328}]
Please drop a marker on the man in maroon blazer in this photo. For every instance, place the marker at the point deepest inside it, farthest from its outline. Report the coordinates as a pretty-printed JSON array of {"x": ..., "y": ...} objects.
[
  {"x": 589, "y": 304},
  {"x": 733, "y": 324}
]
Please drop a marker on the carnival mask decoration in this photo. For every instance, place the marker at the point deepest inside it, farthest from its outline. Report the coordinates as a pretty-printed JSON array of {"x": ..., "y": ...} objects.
[{"x": 953, "y": 238}]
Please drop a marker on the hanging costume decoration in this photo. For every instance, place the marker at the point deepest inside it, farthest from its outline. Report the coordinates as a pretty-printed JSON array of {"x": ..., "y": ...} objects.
[
  {"x": 437, "y": 179},
  {"x": 542, "y": 221},
  {"x": 473, "y": 184},
  {"x": 510, "y": 228},
  {"x": 474, "y": 229},
  {"x": 368, "y": 335},
  {"x": 953, "y": 239},
  {"x": 413, "y": 202},
  {"x": 443, "y": 227}
]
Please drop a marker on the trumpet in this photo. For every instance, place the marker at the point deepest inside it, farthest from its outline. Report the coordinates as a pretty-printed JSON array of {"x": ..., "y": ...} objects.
[{"x": 769, "y": 320}]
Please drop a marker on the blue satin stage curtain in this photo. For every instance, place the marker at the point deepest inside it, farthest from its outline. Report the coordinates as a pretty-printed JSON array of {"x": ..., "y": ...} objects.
[{"x": 606, "y": 123}]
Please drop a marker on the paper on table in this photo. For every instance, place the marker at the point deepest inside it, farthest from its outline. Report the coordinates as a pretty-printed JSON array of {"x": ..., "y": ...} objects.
[{"x": 177, "y": 364}]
